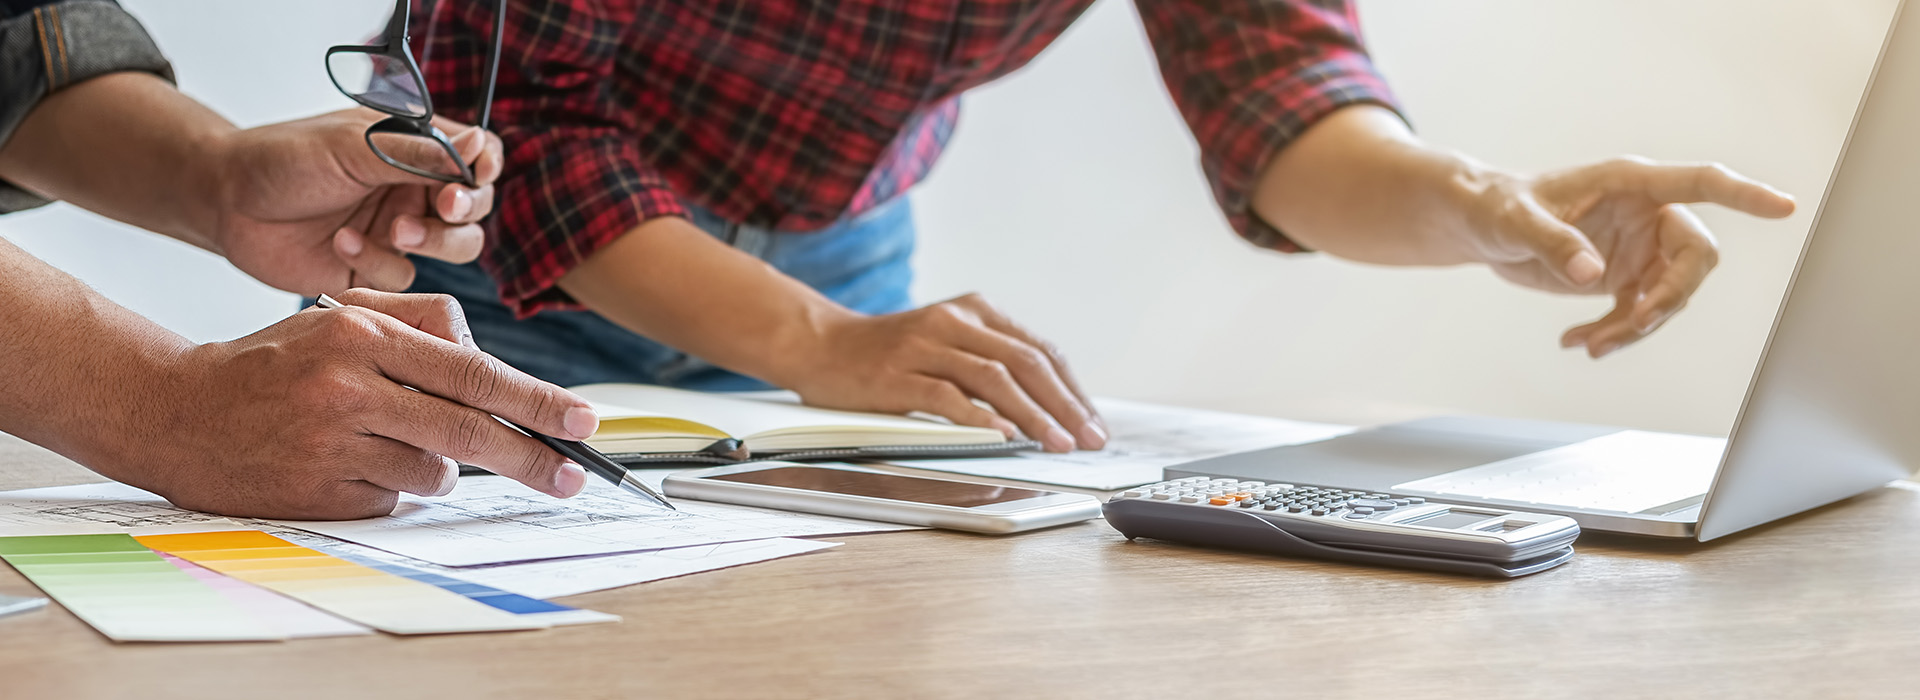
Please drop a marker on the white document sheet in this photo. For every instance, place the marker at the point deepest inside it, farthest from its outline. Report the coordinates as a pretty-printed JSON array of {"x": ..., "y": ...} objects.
[
  {"x": 1146, "y": 438},
  {"x": 494, "y": 520},
  {"x": 1628, "y": 471},
  {"x": 564, "y": 577}
]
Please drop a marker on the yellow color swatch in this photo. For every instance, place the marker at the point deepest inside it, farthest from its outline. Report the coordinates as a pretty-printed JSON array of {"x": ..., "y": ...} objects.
[{"x": 370, "y": 597}]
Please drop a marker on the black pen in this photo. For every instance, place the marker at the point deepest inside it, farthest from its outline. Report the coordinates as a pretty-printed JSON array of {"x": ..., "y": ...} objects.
[
  {"x": 584, "y": 455},
  {"x": 581, "y": 453}
]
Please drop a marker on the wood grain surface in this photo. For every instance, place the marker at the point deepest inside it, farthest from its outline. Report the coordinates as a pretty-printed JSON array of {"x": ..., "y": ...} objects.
[{"x": 1818, "y": 606}]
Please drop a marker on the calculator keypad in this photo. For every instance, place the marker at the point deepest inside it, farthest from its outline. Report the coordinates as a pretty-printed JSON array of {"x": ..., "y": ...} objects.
[{"x": 1263, "y": 497}]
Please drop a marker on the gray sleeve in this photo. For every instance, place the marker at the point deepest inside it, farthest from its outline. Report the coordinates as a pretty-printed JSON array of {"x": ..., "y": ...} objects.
[{"x": 51, "y": 45}]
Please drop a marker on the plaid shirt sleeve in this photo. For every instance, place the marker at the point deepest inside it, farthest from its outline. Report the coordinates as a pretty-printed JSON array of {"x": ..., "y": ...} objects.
[
  {"x": 1251, "y": 76},
  {"x": 575, "y": 178}
]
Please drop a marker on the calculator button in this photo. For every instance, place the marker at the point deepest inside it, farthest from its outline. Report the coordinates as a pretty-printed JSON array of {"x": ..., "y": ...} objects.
[
  {"x": 1189, "y": 499},
  {"x": 1135, "y": 493},
  {"x": 1401, "y": 501},
  {"x": 1357, "y": 516},
  {"x": 1162, "y": 496},
  {"x": 1317, "y": 511},
  {"x": 1296, "y": 508},
  {"x": 1363, "y": 510},
  {"x": 1221, "y": 500},
  {"x": 1415, "y": 500},
  {"x": 1372, "y": 503}
]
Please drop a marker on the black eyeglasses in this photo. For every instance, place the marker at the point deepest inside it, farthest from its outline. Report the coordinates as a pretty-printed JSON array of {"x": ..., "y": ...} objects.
[{"x": 385, "y": 77}]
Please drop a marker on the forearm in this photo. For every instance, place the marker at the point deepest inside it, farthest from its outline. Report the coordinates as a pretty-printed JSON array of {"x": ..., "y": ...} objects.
[
  {"x": 130, "y": 147},
  {"x": 72, "y": 362},
  {"x": 674, "y": 283},
  {"x": 1360, "y": 186}
]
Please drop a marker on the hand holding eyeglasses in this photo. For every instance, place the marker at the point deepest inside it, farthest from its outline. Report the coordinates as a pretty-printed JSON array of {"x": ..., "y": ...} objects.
[{"x": 310, "y": 209}]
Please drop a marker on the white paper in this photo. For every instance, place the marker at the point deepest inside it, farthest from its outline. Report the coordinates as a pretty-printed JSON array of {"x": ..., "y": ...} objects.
[
  {"x": 748, "y": 418},
  {"x": 114, "y": 507},
  {"x": 565, "y": 577},
  {"x": 1146, "y": 438},
  {"x": 1628, "y": 471},
  {"x": 93, "y": 508},
  {"x": 494, "y": 520}
]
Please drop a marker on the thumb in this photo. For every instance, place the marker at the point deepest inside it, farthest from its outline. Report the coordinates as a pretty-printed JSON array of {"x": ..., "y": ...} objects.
[{"x": 1559, "y": 246}]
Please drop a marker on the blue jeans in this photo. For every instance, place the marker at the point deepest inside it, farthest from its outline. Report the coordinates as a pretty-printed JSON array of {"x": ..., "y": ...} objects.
[{"x": 861, "y": 262}]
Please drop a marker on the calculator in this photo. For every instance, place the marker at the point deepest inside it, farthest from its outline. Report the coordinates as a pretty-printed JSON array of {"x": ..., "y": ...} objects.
[{"x": 1355, "y": 526}]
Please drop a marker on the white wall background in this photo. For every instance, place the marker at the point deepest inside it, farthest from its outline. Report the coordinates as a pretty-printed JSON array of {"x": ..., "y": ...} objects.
[{"x": 1071, "y": 198}]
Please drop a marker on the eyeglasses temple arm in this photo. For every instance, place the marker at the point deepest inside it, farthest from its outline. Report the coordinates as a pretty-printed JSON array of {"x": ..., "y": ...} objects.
[
  {"x": 493, "y": 60},
  {"x": 397, "y": 24}
]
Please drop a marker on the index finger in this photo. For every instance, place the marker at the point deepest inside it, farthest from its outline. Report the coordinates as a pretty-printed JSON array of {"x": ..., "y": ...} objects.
[
  {"x": 1706, "y": 182},
  {"x": 436, "y": 314},
  {"x": 473, "y": 378}
]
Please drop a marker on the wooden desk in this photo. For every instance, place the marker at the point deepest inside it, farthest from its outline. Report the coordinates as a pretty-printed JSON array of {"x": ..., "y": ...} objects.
[{"x": 1822, "y": 605}]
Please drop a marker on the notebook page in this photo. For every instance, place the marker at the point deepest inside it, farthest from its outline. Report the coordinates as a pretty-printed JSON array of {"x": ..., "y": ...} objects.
[{"x": 746, "y": 418}]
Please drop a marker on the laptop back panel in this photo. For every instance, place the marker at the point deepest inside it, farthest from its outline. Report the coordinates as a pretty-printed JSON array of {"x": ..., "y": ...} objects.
[{"x": 1834, "y": 408}]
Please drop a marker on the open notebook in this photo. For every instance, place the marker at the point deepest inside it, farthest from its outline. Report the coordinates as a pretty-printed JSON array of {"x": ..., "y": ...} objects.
[{"x": 641, "y": 423}]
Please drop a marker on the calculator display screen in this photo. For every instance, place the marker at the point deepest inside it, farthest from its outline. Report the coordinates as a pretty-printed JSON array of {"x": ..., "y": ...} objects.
[
  {"x": 1451, "y": 519},
  {"x": 889, "y": 486}
]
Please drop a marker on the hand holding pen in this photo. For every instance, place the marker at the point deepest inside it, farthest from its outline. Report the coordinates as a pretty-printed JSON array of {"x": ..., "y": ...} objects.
[{"x": 580, "y": 422}]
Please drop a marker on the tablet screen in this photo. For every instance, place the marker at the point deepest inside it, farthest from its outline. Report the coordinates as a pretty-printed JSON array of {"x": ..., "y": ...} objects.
[{"x": 889, "y": 486}]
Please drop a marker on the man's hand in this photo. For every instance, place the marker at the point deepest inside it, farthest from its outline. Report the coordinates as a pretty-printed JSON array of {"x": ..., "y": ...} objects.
[
  {"x": 307, "y": 207},
  {"x": 311, "y": 418},
  {"x": 1617, "y": 228},
  {"x": 941, "y": 359},
  {"x": 304, "y": 206}
]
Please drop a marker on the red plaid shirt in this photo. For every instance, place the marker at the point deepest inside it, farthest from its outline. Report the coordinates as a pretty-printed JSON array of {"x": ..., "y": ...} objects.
[{"x": 791, "y": 114}]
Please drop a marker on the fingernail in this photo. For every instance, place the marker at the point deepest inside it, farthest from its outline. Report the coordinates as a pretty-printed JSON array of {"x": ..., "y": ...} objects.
[
  {"x": 569, "y": 481},
  {"x": 1585, "y": 268},
  {"x": 581, "y": 422},
  {"x": 449, "y": 481},
  {"x": 1058, "y": 440},
  {"x": 349, "y": 243},
  {"x": 408, "y": 233},
  {"x": 1603, "y": 350},
  {"x": 462, "y": 205},
  {"x": 1652, "y": 322},
  {"x": 1095, "y": 437}
]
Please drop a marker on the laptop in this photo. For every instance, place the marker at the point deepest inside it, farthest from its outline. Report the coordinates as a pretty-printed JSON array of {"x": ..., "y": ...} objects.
[{"x": 1833, "y": 409}]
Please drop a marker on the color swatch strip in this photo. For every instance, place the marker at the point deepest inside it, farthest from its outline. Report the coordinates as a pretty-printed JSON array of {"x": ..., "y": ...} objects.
[
  {"x": 550, "y": 613},
  {"x": 373, "y": 598},
  {"x": 290, "y": 617},
  {"x": 129, "y": 593}
]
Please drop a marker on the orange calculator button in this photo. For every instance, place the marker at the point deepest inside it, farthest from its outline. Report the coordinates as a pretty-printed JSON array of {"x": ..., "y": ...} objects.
[
  {"x": 1240, "y": 495},
  {"x": 1223, "y": 500}
]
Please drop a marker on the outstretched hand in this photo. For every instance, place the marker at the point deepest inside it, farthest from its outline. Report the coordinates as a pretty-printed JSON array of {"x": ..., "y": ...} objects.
[
  {"x": 310, "y": 209},
  {"x": 1620, "y": 228}
]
